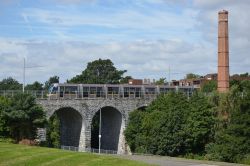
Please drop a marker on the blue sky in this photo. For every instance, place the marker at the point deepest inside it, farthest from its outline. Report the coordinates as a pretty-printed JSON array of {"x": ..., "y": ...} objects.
[
  {"x": 103, "y": 20},
  {"x": 145, "y": 37}
]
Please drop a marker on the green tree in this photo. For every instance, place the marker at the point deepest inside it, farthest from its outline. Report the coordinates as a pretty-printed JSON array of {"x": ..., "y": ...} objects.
[
  {"x": 133, "y": 132},
  {"x": 192, "y": 76},
  {"x": 23, "y": 116},
  {"x": 209, "y": 86},
  {"x": 232, "y": 143},
  {"x": 53, "y": 132},
  {"x": 4, "y": 129},
  {"x": 161, "y": 81},
  {"x": 10, "y": 84},
  {"x": 35, "y": 86},
  {"x": 161, "y": 130},
  {"x": 124, "y": 80},
  {"x": 200, "y": 123},
  {"x": 99, "y": 72},
  {"x": 244, "y": 75},
  {"x": 54, "y": 79}
]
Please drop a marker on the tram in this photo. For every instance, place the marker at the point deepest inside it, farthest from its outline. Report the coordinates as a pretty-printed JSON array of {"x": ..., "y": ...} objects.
[{"x": 75, "y": 91}]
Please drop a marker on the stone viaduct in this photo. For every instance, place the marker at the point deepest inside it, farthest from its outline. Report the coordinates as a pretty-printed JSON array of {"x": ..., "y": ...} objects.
[{"x": 76, "y": 118}]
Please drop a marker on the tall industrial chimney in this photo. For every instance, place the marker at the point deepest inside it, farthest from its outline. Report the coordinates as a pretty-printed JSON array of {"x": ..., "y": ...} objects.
[{"x": 223, "y": 52}]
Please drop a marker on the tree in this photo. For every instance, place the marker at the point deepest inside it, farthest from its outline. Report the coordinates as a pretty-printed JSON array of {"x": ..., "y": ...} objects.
[
  {"x": 244, "y": 75},
  {"x": 10, "y": 84},
  {"x": 99, "y": 72},
  {"x": 232, "y": 143},
  {"x": 236, "y": 79},
  {"x": 23, "y": 116},
  {"x": 54, "y": 79},
  {"x": 4, "y": 129},
  {"x": 200, "y": 123},
  {"x": 35, "y": 86},
  {"x": 161, "y": 81},
  {"x": 161, "y": 130},
  {"x": 172, "y": 125},
  {"x": 124, "y": 80},
  {"x": 209, "y": 86},
  {"x": 192, "y": 76},
  {"x": 53, "y": 132},
  {"x": 133, "y": 131}
]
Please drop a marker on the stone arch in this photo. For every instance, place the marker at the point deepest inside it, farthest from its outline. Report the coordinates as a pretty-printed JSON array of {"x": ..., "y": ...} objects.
[
  {"x": 53, "y": 108},
  {"x": 112, "y": 127},
  {"x": 71, "y": 126}
]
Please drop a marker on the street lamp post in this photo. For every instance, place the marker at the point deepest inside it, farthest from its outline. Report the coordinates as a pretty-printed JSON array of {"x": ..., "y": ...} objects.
[{"x": 100, "y": 130}]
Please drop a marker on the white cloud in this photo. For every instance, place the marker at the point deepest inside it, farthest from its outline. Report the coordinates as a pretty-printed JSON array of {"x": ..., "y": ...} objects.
[
  {"x": 142, "y": 59},
  {"x": 185, "y": 40},
  {"x": 127, "y": 22},
  {"x": 238, "y": 29}
]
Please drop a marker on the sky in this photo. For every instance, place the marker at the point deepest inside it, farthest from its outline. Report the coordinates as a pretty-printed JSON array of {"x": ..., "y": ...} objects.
[{"x": 148, "y": 38}]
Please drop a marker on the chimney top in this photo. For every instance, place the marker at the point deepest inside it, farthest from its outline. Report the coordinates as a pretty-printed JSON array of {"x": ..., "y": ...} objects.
[{"x": 223, "y": 12}]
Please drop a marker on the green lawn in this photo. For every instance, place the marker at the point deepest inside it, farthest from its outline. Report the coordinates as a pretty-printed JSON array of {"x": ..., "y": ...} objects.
[{"x": 13, "y": 154}]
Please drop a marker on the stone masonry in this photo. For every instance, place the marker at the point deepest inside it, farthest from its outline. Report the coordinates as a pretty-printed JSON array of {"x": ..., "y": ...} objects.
[{"x": 78, "y": 115}]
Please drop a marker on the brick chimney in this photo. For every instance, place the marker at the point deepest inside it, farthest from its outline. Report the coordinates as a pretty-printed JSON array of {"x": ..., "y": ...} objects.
[{"x": 223, "y": 52}]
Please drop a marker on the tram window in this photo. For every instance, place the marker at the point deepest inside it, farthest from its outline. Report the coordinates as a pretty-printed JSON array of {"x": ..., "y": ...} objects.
[
  {"x": 166, "y": 90},
  {"x": 132, "y": 91},
  {"x": 62, "y": 88},
  {"x": 70, "y": 89},
  {"x": 99, "y": 92},
  {"x": 150, "y": 90},
  {"x": 92, "y": 90},
  {"x": 126, "y": 92},
  {"x": 113, "y": 90},
  {"x": 137, "y": 92},
  {"x": 85, "y": 91}
]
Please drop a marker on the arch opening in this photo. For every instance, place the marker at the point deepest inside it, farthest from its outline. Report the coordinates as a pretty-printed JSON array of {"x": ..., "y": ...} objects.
[
  {"x": 111, "y": 121},
  {"x": 70, "y": 125}
]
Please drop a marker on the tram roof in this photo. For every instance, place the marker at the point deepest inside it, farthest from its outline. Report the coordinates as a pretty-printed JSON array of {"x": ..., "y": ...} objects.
[{"x": 125, "y": 85}]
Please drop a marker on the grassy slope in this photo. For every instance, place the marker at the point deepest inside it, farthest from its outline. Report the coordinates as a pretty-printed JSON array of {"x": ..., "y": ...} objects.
[{"x": 12, "y": 154}]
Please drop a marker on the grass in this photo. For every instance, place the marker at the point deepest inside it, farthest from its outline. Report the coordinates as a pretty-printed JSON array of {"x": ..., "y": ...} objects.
[
  {"x": 13, "y": 154},
  {"x": 246, "y": 160}
]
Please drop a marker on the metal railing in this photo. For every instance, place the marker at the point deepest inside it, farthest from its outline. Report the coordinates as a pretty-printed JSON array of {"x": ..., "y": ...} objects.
[
  {"x": 90, "y": 150},
  {"x": 74, "y": 95},
  {"x": 36, "y": 93}
]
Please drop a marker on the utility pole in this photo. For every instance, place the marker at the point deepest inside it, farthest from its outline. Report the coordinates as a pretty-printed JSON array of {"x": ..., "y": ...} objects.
[
  {"x": 169, "y": 75},
  {"x": 24, "y": 72},
  {"x": 24, "y": 67}
]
